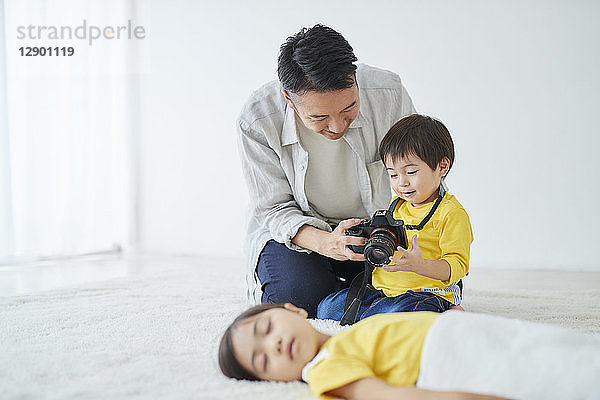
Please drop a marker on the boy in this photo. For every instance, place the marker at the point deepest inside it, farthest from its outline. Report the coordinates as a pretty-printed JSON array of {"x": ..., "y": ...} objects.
[
  {"x": 418, "y": 153},
  {"x": 403, "y": 355}
]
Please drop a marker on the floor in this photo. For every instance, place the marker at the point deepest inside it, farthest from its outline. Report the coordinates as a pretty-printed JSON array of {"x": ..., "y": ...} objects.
[
  {"x": 54, "y": 274},
  {"x": 497, "y": 279}
]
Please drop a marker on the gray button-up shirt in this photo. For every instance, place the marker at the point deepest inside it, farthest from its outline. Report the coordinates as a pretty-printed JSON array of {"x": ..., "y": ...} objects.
[{"x": 274, "y": 164}]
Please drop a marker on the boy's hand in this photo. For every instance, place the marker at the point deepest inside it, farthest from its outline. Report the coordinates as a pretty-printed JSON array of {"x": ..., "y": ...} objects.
[{"x": 411, "y": 260}]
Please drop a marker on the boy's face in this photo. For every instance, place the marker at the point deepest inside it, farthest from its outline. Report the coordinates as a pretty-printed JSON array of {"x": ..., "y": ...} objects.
[
  {"x": 327, "y": 113},
  {"x": 413, "y": 180},
  {"x": 276, "y": 344}
]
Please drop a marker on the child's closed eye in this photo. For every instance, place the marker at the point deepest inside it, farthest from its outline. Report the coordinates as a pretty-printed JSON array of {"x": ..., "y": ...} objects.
[
  {"x": 265, "y": 326},
  {"x": 412, "y": 172}
]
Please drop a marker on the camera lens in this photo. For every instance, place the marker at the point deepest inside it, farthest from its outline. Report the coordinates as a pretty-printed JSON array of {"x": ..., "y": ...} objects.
[{"x": 380, "y": 247}]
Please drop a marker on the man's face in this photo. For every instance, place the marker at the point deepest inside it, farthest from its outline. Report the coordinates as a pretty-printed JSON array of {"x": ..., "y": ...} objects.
[
  {"x": 326, "y": 113},
  {"x": 276, "y": 344}
]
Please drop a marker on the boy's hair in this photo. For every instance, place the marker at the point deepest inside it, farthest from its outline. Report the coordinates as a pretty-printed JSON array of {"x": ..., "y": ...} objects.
[
  {"x": 316, "y": 59},
  {"x": 227, "y": 362},
  {"x": 423, "y": 136}
]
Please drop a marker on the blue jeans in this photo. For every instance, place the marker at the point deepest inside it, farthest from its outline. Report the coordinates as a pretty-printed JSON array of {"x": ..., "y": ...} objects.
[
  {"x": 302, "y": 279},
  {"x": 375, "y": 302}
]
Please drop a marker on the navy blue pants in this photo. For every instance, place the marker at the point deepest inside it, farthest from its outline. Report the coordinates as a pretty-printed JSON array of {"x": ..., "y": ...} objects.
[
  {"x": 375, "y": 302},
  {"x": 303, "y": 279}
]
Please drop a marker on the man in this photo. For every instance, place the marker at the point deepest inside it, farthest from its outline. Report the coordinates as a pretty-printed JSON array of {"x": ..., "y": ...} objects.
[{"x": 309, "y": 150}]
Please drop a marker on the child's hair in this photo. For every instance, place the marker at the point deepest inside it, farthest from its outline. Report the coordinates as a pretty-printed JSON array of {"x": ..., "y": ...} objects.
[
  {"x": 423, "y": 136},
  {"x": 227, "y": 362}
]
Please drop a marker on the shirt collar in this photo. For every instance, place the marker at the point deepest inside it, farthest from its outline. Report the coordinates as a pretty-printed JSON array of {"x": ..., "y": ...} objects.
[
  {"x": 289, "y": 134},
  {"x": 321, "y": 355}
]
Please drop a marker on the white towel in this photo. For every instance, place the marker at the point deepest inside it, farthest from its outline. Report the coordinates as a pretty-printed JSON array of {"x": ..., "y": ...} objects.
[{"x": 507, "y": 357}]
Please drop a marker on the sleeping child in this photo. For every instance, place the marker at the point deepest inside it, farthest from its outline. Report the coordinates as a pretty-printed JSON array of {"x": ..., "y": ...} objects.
[{"x": 413, "y": 355}]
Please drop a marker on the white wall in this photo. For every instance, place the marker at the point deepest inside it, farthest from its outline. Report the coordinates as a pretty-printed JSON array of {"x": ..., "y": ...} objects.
[{"x": 516, "y": 82}]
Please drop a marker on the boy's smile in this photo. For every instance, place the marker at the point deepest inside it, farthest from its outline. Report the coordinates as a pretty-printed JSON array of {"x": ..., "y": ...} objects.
[
  {"x": 276, "y": 344},
  {"x": 413, "y": 180}
]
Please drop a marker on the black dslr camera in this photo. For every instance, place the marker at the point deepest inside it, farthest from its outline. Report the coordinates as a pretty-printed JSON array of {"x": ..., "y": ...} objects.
[{"x": 384, "y": 235}]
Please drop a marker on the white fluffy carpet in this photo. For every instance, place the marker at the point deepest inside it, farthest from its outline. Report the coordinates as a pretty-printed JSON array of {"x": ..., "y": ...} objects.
[{"x": 155, "y": 336}]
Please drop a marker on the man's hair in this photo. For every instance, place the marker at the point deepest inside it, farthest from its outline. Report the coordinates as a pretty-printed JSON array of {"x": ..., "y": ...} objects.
[
  {"x": 423, "y": 136},
  {"x": 316, "y": 59},
  {"x": 229, "y": 365}
]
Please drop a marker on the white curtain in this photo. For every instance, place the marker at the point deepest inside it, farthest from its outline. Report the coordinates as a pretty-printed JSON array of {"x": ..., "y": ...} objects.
[{"x": 68, "y": 145}]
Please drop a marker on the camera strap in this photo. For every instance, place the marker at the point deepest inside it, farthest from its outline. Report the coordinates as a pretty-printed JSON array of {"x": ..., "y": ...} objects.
[{"x": 355, "y": 295}]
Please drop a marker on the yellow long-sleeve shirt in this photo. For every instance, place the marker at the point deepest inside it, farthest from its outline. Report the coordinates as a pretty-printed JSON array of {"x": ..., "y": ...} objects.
[{"x": 447, "y": 236}]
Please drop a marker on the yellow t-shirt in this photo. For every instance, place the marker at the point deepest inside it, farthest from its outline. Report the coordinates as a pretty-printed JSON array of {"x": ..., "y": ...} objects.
[
  {"x": 384, "y": 346},
  {"x": 446, "y": 236}
]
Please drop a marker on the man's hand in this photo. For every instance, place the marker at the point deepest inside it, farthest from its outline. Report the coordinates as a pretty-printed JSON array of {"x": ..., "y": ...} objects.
[
  {"x": 336, "y": 245},
  {"x": 411, "y": 260},
  {"x": 331, "y": 244}
]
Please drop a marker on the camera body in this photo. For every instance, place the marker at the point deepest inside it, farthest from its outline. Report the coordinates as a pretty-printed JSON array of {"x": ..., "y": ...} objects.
[{"x": 384, "y": 235}]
